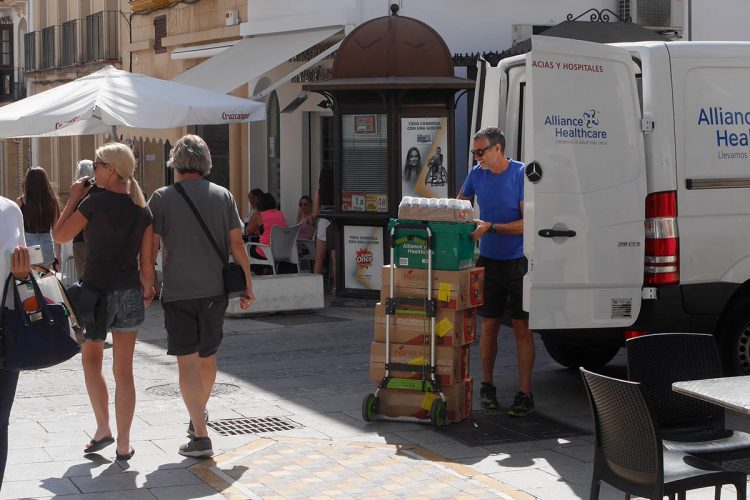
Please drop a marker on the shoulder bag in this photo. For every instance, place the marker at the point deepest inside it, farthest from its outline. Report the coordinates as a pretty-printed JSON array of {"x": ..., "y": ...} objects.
[
  {"x": 89, "y": 305},
  {"x": 232, "y": 273},
  {"x": 36, "y": 339}
]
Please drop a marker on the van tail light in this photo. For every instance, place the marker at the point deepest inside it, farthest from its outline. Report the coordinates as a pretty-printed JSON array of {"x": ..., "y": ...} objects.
[
  {"x": 662, "y": 255},
  {"x": 631, "y": 334}
]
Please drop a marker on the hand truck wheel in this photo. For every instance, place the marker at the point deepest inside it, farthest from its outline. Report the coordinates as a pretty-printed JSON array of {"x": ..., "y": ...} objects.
[
  {"x": 369, "y": 408},
  {"x": 439, "y": 413}
]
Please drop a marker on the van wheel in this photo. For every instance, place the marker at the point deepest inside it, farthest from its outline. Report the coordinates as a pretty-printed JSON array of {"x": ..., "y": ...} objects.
[
  {"x": 575, "y": 355},
  {"x": 735, "y": 338}
]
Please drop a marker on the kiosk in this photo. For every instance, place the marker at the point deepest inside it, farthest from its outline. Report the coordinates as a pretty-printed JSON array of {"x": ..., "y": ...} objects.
[{"x": 392, "y": 94}]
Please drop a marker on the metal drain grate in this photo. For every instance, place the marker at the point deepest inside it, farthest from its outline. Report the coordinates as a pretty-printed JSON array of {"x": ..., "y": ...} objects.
[
  {"x": 238, "y": 426},
  {"x": 485, "y": 427},
  {"x": 173, "y": 390}
]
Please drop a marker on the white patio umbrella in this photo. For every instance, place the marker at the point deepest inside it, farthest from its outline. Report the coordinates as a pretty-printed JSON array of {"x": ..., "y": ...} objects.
[{"x": 100, "y": 102}]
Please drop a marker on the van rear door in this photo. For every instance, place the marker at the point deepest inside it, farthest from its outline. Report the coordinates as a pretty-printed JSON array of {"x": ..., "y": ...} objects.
[{"x": 585, "y": 186}]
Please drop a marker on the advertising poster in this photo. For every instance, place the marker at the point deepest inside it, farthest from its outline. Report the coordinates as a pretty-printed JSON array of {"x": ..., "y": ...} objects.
[
  {"x": 363, "y": 257},
  {"x": 424, "y": 148}
]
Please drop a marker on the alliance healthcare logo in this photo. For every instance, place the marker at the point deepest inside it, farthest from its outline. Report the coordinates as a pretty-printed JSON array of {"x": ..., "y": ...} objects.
[
  {"x": 719, "y": 120},
  {"x": 582, "y": 129}
]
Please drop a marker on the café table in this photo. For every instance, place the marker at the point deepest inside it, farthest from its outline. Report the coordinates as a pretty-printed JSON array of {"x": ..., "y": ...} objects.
[{"x": 730, "y": 392}]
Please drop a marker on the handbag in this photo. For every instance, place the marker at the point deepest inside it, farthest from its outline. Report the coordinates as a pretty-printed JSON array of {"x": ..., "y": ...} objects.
[
  {"x": 232, "y": 273},
  {"x": 34, "y": 339},
  {"x": 53, "y": 292},
  {"x": 89, "y": 305}
]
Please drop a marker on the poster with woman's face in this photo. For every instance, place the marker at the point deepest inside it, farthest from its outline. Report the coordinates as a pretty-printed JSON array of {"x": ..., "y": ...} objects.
[{"x": 424, "y": 144}]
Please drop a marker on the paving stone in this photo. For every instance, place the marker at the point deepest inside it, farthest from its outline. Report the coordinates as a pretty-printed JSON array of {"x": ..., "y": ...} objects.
[
  {"x": 315, "y": 375},
  {"x": 45, "y": 488}
]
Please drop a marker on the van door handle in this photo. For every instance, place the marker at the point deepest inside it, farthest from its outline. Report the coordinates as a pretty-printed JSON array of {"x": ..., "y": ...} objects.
[{"x": 556, "y": 233}]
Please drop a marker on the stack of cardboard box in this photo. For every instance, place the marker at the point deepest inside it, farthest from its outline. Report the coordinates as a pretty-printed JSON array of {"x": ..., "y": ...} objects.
[{"x": 457, "y": 294}]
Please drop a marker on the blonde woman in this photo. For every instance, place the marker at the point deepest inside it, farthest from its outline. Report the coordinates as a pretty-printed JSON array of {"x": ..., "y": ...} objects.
[{"x": 117, "y": 228}]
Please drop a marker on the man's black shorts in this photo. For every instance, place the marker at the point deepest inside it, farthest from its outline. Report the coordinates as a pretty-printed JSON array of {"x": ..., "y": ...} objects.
[
  {"x": 503, "y": 279},
  {"x": 195, "y": 325}
]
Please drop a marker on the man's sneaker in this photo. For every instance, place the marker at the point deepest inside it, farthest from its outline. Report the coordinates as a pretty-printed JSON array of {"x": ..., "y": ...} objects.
[
  {"x": 523, "y": 404},
  {"x": 197, "y": 447},
  {"x": 191, "y": 427},
  {"x": 488, "y": 396}
]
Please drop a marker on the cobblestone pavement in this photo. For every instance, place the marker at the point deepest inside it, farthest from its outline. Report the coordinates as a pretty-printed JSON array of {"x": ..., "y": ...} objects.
[{"x": 311, "y": 370}]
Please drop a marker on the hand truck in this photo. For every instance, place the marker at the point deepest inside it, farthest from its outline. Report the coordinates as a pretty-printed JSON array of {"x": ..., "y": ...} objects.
[{"x": 428, "y": 307}]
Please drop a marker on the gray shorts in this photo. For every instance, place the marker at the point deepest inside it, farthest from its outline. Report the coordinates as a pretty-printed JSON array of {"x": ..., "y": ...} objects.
[
  {"x": 195, "y": 325},
  {"x": 125, "y": 310}
]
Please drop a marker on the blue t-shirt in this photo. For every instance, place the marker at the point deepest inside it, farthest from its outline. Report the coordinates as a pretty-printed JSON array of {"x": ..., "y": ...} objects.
[{"x": 499, "y": 197}]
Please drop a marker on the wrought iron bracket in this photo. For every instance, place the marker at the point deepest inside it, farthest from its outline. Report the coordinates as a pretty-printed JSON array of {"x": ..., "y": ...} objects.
[{"x": 599, "y": 16}]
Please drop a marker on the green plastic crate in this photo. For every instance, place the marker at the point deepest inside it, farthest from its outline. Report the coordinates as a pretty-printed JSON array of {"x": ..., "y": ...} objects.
[{"x": 452, "y": 246}]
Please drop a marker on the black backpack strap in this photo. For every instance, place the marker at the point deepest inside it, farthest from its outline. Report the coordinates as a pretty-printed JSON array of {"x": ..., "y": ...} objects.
[{"x": 197, "y": 214}]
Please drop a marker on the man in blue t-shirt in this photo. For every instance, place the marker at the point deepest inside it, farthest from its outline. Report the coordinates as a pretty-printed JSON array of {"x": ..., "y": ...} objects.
[{"x": 497, "y": 183}]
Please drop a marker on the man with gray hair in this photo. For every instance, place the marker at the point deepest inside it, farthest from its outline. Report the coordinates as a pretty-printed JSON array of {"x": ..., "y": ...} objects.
[
  {"x": 497, "y": 183},
  {"x": 192, "y": 294}
]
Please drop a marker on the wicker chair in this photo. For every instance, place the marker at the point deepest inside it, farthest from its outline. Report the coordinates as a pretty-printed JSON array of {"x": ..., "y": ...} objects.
[
  {"x": 628, "y": 450},
  {"x": 687, "y": 424}
]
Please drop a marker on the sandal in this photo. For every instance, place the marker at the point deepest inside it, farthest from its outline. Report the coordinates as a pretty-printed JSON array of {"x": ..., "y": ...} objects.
[
  {"x": 126, "y": 457},
  {"x": 98, "y": 444}
]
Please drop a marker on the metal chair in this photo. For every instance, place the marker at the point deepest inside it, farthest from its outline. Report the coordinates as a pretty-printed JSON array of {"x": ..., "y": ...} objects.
[
  {"x": 687, "y": 424},
  {"x": 282, "y": 248},
  {"x": 628, "y": 450}
]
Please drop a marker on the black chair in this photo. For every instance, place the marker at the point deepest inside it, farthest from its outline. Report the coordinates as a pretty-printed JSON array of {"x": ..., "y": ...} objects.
[
  {"x": 628, "y": 450},
  {"x": 687, "y": 424}
]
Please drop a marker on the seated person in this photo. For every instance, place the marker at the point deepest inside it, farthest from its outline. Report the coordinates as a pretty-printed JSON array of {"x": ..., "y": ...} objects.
[
  {"x": 253, "y": 221},
  {"x": 271, "y": 216},
  {"x": 306, "y": 218}
]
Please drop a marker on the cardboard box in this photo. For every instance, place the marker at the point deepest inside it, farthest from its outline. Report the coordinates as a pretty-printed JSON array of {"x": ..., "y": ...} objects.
[
  {"x": 452, "y": 362},
  {"x": 403, "y": 403},
  {"x": 454, "y": 290},
  {"x": 452, "y": 328},
  {"x": 427, "y": 213}
]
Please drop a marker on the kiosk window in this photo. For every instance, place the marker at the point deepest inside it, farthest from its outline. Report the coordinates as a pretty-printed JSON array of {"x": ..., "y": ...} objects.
[{"x": 364, "y": 176}]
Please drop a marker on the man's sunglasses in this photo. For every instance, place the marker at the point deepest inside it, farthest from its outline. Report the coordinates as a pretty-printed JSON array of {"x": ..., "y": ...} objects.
[{"x": 480, "y": 152}]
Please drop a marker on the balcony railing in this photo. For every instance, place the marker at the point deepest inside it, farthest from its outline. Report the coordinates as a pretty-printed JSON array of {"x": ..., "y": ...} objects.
[
  {"x": 72, "y": 42},
  {"x": 29, "y": 41},
  {"x": 102, "y": 36},
  {"x": 75, "y": 42},
  {"x": 137, "y": 6},
  {"x": 12, "y": 84},
  {"x": 49, "y": 46}
]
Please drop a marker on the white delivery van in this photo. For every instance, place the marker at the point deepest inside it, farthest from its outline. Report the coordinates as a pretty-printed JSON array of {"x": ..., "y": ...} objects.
[{"x": 637, "y": 192}]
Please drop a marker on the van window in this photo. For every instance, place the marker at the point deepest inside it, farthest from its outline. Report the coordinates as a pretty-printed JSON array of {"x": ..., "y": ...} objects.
[
  {"x": 519, "y": 130},
  {"x": 639, "y": 82}
]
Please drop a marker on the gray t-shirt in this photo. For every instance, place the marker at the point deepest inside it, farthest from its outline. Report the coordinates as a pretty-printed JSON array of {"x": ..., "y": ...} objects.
[{"x": 192, "y": 269}]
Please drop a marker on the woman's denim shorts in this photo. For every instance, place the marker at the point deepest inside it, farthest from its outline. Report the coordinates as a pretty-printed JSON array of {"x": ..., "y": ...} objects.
[
  {"x": 45, "y": 241},
  {"x": 125, "y": 310}
]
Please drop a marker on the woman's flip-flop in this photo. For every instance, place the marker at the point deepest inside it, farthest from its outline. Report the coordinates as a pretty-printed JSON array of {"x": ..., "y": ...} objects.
[
  {"x": 97, "y": 445},
  {"x": 126, "y": 457}
]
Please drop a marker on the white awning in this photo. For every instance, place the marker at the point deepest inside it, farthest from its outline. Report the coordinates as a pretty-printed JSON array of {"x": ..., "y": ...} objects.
[
  {"x": 251, "y": 58},
  {"x": 199, "y": 51}
]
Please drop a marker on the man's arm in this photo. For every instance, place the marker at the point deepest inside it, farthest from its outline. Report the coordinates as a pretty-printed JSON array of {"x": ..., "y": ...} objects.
[
  {"x": 510, "y": 228},
  {"x": 237, "y": 247},
  {"x": 147, "y": 265}
]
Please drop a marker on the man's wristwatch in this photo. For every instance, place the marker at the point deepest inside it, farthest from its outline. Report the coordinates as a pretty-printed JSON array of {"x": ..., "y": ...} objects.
[{"x": 493, "y": 229}]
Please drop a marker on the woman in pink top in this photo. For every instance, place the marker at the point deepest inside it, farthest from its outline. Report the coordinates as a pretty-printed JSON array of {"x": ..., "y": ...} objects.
[{"x": 272, "y": 216}]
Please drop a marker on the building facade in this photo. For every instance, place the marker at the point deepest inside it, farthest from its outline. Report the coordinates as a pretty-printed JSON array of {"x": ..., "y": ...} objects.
[
  {"x": 14, "y": 154},
  {"x": 264, "y": 50}
]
